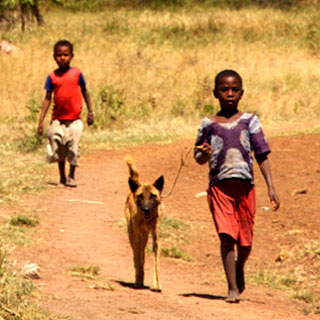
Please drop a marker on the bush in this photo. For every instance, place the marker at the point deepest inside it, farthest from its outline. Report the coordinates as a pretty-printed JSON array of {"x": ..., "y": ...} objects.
[{"x": 110, "y": 106}]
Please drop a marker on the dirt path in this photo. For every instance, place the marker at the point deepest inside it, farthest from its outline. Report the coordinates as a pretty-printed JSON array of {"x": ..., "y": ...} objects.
[{"x": 78, "y": 233}]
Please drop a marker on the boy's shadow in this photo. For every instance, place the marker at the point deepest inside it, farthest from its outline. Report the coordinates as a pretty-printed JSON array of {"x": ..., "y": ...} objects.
[
  {"x": 51, "y": 183},
  {"x": 203, "y": 296},
  {"x": 187, "y": 295},
  {"x": 130, "y": 285},
  {"x": 214, "y": 297}
]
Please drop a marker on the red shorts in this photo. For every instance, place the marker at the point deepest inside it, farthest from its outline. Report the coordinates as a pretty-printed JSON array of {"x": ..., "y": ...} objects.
[{"x": 232, "y": 203}]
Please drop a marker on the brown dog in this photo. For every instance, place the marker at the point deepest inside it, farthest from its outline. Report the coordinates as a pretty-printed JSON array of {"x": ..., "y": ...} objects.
[{"x": 142, "y": 212}]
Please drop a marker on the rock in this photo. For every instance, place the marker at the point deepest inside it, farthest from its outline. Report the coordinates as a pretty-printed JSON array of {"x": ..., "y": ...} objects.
[{"x": 30, "y": 271}]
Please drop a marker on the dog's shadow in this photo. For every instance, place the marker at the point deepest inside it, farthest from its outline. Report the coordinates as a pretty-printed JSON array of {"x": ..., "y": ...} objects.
[
  {"x": 130, "y": 285},
  {"x": 203, "y": 296}
]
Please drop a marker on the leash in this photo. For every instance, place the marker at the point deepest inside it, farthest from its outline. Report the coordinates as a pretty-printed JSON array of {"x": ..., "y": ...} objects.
[{"x": 182, "y": 163}]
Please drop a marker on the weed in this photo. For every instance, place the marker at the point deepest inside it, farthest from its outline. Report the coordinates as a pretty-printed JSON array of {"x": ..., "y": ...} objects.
[
  {"x": 311, "y": 301},
  {"x": 103, "y": 286},
  {"x": 174, "y": 252},
  {"x": 15, "y": 235},
  {"x": 272, "y": 280},
  {"x": 311, "y": 250},
  {"x": 304, "y": 296},
  {"x": 208, "y": 109},
  {"x": 111, "y": 107},
  {"x": 85, "y": 271},
  {"x": 179, "y": 108},
  {"x": 173, "y": 227},
  {"x": 116, "y": 26},
  {"x": 33, "y": 108},
  {"x": 24, "y": 221},
  {"x": 30, "y": 143},
  {"x": 173, "y": 234}
]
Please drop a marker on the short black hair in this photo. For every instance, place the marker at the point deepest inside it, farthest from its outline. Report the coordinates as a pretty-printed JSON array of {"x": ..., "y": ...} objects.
[
  {"x": 65, "y": 43},
  {"x": 227, "y": 73}
]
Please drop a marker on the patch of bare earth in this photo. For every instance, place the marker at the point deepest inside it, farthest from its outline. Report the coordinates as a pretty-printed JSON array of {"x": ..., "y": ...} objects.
[{"x": 84, "y": 226}]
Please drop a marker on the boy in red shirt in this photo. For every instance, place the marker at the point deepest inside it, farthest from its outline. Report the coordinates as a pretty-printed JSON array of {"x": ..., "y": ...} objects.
[{"x": 64, "y": 132}]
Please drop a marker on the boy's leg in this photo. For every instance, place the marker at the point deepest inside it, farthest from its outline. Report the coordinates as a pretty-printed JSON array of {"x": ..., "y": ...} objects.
[
  {"x": 71, "y": 181},
  {"x": 62, "y": 174},
  {"x": 243, "y": 255},
  {"x": 228, "y": 259},
  {"x": 73, "y": 137}
]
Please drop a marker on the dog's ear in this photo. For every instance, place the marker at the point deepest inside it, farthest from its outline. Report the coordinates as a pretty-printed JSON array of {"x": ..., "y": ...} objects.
[
  {"x": 133, "y": 185},
  {"x": 159, "y": 183}
]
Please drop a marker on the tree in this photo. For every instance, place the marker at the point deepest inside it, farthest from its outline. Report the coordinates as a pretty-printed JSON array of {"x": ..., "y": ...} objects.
[{"x": 20, "y": 11}]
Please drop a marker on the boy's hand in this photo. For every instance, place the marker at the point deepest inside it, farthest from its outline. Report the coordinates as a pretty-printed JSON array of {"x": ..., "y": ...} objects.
[
  {"x": 40, "y": 129},
  {"x": 274, "y": 200},
  {"x": 205, "y": 148},
  {"x": 90, "y": 118}
]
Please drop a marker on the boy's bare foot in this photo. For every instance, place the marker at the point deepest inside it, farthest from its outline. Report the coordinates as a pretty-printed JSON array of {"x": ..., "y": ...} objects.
[
  {"x": 233, "y": 297},
  {"x": 71, "y": 182},
  {"x": 240, "y": 278}
]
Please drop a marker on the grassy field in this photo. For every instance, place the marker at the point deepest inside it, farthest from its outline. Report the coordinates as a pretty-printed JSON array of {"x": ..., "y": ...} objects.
[
  {"x": 146, "y": 65},
  {"x": 150, "y": 74}
]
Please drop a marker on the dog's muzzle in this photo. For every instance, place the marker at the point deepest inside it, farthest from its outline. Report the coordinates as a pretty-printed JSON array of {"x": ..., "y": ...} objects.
[{"x": 147, "y": 212}]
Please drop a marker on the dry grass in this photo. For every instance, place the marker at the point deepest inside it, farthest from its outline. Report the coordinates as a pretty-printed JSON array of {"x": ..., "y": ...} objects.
[{"x": 146, "y": 64}]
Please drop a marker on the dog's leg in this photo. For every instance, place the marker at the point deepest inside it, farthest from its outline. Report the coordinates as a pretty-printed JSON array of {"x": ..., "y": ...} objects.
[
  {"x": 156, "y": 262},
  {"x": 139, "y": 255},
  {"x": 134, "y": 241}
]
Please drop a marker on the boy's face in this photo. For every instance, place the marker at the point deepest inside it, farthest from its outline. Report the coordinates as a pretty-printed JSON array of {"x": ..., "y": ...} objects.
[
  {"x": 229, "y": 92},
  {"x": 63, "y": 56}
]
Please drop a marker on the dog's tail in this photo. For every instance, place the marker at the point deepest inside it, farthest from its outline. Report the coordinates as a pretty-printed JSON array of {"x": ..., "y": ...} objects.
[{"x": 134, "y": 175}]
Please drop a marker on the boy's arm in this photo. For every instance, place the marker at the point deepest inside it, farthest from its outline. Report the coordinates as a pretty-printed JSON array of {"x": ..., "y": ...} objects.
[
  {"x": 87, "y": 99},
  {"x": 266, "y": 172},
  {"x": 202, "y": 150},
  {"x": 202, "y": 153},
  {"x": 44, "y": 110}
]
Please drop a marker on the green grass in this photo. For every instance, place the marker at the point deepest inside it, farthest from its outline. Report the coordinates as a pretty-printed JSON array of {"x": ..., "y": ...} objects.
[{"x": 18, "y": 229}]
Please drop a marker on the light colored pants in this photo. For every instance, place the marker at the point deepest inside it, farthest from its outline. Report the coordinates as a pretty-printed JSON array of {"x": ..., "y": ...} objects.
[{"x": 64, "y": 139}]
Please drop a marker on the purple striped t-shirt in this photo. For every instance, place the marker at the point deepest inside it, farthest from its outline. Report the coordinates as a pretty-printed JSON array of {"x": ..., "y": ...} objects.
[{"x": 232, "y": 144}]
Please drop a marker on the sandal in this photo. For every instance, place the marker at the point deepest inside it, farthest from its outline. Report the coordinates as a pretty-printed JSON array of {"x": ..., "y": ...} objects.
[{"x": 71, "y": 182}]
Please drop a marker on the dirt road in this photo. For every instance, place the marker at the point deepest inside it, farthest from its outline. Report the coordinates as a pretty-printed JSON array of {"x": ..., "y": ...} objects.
[{"x": 84, "y": 226}]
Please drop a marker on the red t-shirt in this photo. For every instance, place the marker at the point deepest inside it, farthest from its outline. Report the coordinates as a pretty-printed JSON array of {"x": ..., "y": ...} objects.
[{"x": 67, "y": 93}]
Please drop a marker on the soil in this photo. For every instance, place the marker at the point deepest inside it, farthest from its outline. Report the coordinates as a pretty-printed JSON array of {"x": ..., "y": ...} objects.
[{"x": 85, "y": 226}]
